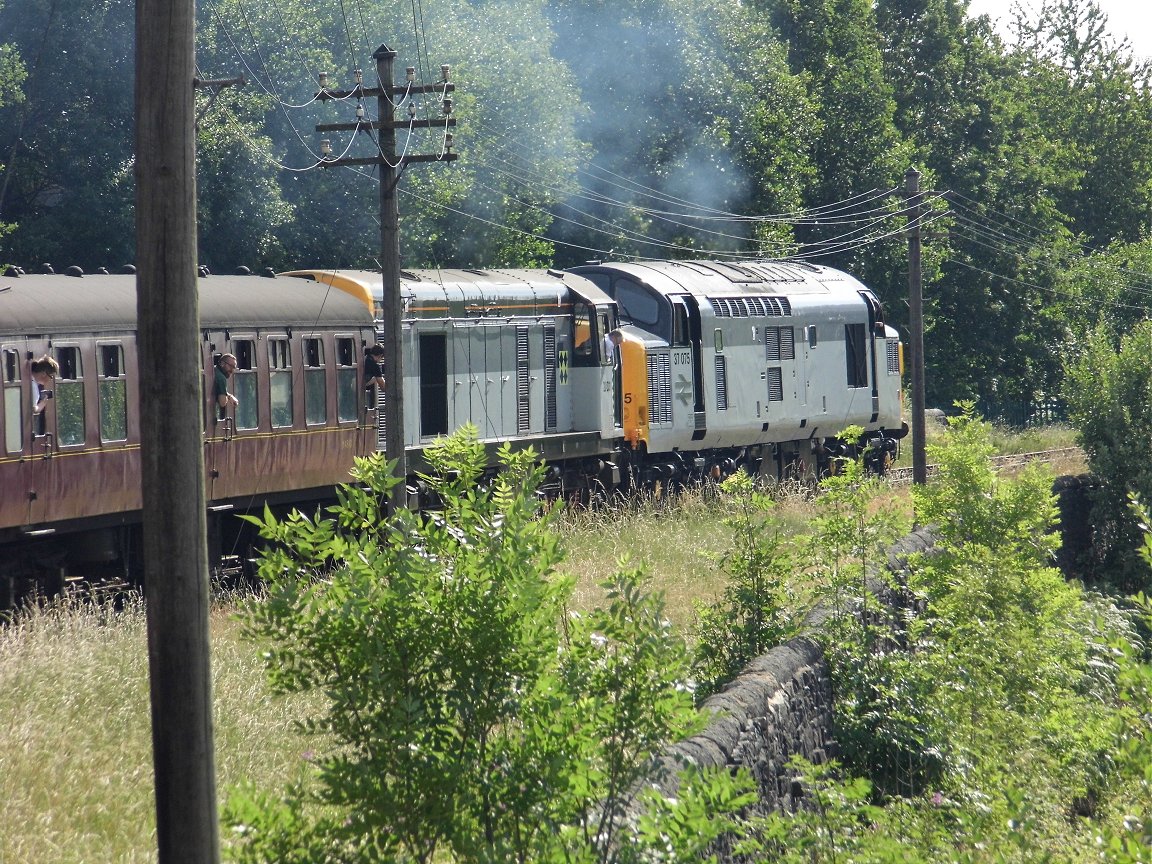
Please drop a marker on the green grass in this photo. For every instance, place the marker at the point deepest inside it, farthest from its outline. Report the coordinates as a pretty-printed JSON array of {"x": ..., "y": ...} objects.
[
  {"x": 74, "y": 708},
  {"x": 675, "y": 540}
]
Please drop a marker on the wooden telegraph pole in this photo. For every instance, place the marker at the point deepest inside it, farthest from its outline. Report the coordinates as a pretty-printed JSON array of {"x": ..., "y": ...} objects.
[
  {"x": 391, "y": 168},
  {"x": 171, "y": 445},
  {"x": 912, "y": 197}
]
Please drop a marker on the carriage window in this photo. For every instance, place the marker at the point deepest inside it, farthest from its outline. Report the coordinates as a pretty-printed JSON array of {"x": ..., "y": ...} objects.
[
  {"x": 347, "y": 375},
  {"x": 13, "y": 403},
  {"x": 244, "y": 384},
  {"x": 280, "y": 381},
  {"x": 69, "y": 397},
  {"x": 315, "y": 387},
  {"x": 113, "y": 393}
]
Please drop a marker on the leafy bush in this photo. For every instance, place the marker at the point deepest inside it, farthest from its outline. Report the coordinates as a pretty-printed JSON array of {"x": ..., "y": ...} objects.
[
  {"x": 466, "y": 715},
  {"x": 1109, "y": 395},
  {"x": 759, "y": 608}
]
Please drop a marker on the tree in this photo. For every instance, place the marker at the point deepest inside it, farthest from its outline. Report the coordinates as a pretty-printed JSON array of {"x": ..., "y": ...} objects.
[
  {"x": 69, "y": 143},
  {"x": 12, "y": 75},
  {"x": 1109, "y": 394}
]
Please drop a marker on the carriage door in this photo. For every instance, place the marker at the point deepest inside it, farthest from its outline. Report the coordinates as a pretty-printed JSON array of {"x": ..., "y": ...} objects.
[{"x": 17, "y": 499}]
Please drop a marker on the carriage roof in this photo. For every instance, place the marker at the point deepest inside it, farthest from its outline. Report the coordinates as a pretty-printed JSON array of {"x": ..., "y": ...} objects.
[{"x": 58, "y": 303}]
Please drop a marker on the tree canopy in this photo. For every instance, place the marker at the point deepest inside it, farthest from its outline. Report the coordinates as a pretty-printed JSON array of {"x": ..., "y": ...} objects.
[{"x": 685, "y": 128}]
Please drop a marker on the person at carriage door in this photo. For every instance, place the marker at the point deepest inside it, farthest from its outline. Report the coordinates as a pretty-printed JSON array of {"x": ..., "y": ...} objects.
[
  {"x": 225, "y": 366},
  {"x": 44, "y": 372},
  {"x": 374, "y": 367}
]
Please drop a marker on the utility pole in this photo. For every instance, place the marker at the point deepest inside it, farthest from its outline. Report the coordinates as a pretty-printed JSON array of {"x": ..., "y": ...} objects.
[
  {"x": 171, "y": 439},
  {"x": 391, "y": 168},
  {"x": 913, "y": 197}
]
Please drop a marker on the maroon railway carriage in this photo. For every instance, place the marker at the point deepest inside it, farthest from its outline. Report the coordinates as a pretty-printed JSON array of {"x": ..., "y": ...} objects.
[{"x": 70, "y": 502}]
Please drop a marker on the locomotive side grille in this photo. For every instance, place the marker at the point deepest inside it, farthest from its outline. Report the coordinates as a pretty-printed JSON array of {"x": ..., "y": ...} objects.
[
  {"x": 787, "y": 343},
  {"x": 893, "y": 357},
  {"x": 522, "y": 404},
  {"x": 550, "y": 378},
  {"x": 775, "y": 384},
  {"x": 721, "y": 383},
  {"x": 778, "y": 306},
  {"x": 659, "y": 388},
  {"x": 779, "y": 344},
  {"x": 381, "y": 429},
  {"x": 750, "y": 305},
  {"x": 771, "y": 344}
]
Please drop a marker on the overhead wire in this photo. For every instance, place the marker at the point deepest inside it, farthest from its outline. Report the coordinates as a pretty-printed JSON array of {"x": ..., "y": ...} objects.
[{"x": 1011, "y": 236}]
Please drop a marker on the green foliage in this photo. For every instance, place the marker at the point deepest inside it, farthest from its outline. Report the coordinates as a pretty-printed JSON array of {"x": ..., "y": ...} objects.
[
  {"x": 876, "y": 721},
  {"x": 1109, "y": 395},
  {"x": 461, "y": 719},
  {"x": 759, "y": 608}
]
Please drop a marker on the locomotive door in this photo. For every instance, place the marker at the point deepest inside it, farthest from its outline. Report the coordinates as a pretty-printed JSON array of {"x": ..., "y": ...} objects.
[{"x": 593, "y": 373}]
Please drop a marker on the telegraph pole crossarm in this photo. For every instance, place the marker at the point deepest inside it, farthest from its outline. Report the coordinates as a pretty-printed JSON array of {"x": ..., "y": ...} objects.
[{"x": 391, "y": 167}]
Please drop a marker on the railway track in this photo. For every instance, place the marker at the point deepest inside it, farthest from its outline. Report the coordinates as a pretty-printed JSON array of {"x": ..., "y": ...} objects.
[{"x": 1014, "y": 460}]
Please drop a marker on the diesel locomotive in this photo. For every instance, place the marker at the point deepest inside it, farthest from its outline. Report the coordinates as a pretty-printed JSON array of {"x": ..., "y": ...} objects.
[
  {"x": 714, "y": 365},
  {"x": 618, "y": 374}
]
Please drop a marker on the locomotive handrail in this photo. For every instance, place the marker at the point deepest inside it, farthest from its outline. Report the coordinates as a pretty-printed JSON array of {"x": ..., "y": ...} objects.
[{"x": 229, "y": 428}]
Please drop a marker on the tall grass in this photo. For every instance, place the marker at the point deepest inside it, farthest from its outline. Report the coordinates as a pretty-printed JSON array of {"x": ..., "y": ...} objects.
[
  {"x": 76, "y": 778},
  {"x": 76, "y": 764},
  {"x": 674, "y": 537}
]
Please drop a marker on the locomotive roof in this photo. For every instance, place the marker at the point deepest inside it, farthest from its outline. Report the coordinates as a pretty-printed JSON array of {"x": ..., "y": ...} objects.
[
  {"x": 471, "y": 286},
  {"x": 717, "y": 278},
  {"x": 57, "y": 303}
]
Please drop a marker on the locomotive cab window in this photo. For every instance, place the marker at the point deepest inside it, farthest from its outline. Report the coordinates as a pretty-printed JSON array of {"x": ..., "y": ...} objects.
[
  {"x": 680, "y": 331},
  {"x": 584, "y": 351},
  {"x": 244, "y": 384},
  {"x": 280, "y": 381},
  {"x": 113, "y": 393},
  {"x": 69, "y": 397},
  {"x": 13, "y": 403},
  {"x": 637, "y": 303},
  {"x": 315, "y": 385},
  {"x": 605, "y": 324},
  {"x": 347, "y": 373}
]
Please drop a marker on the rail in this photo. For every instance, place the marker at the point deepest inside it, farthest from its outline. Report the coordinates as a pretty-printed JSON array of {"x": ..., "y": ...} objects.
[{"x": 1012, "y": 460}]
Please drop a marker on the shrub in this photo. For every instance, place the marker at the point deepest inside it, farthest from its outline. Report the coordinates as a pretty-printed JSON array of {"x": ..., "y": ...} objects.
[{"x": 466, "y": 715}]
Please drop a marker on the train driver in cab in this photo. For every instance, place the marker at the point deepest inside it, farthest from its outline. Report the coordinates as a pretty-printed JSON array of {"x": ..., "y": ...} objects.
[{"x": 225, "y": 366}]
